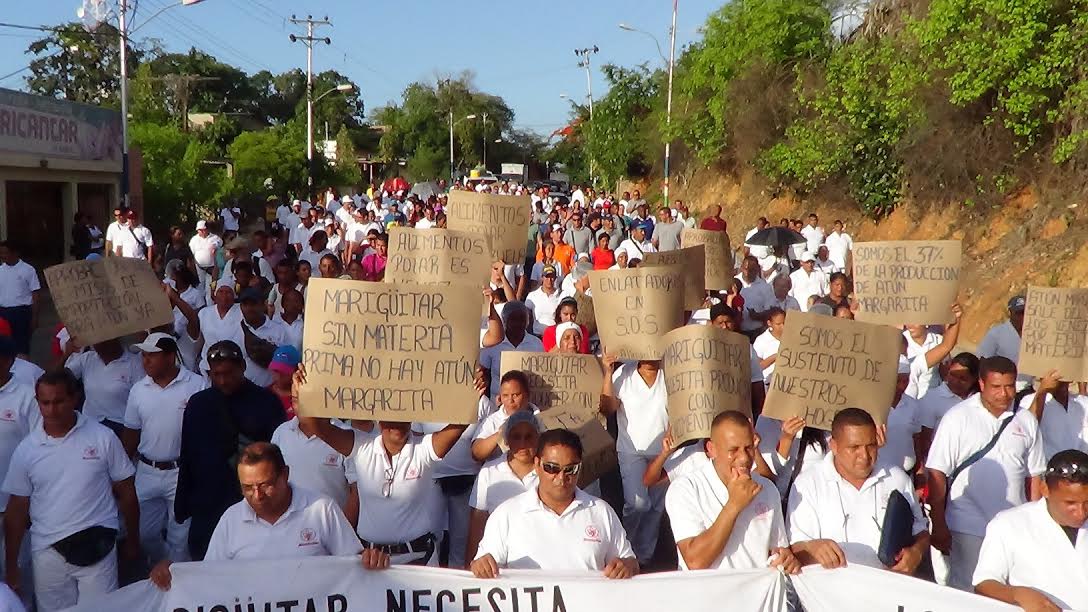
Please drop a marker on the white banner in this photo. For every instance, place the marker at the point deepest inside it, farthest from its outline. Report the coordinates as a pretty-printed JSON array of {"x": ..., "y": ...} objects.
[
  {"x": 863, "y": 589},
  {"x": 331, "y": 584}
]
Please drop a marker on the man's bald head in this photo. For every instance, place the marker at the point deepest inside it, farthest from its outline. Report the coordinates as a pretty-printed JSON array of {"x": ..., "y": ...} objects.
[{"x": 732, "y": 445}]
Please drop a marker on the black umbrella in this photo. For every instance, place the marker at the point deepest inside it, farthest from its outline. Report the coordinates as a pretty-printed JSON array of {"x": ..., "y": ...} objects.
[{"x": 776, "y": 236}]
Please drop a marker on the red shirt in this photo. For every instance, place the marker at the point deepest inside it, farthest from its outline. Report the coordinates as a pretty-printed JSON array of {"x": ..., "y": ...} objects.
[
  {"x": 603, "y": 259},
  {"x": 716, "y": 224}
]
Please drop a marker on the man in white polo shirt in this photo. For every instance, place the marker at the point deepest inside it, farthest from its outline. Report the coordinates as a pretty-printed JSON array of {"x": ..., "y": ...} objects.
[
  {"x": 66, "y": 480},
  {"x": 204, "y": 245},
  {"x": 992, "y": 454},
  {"x": 555, "y": 526},
  {"x": 839, "y": 245},
  {"x": 152, "y": 437},
  {"x": 1026, "y": 561},
  {"x": 19, "y": 414},
  {"x": 1062, "y": 416},
  {"x": 808, "y": 281},
  {"x": 722, "y": 515},
  {"x": 314, "y": 464},
  {"x": 638, "y": 397},
  {"x": 836, "y": 510},
  {"x": 19, "y": 288},
  {"x": 277, "y": 520}
]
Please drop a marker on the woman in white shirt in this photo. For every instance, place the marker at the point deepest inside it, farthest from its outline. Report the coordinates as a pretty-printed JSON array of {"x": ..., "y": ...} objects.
[
  {"x": 766, "y": 344},
  {"x": 504, "y": 477}
]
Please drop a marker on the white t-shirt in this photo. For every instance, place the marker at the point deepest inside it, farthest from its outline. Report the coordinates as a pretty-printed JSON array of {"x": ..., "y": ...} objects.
[
  {"x": 643, "y": 415},
  {"x": 157, "y": 412},
  {"x": 814, "y": 237},
  {"x": 134, "y": 244},
  {"x": 932, "y": 407},
  {"x": 314, "y": 258},
  {"x": 903, "y": 424},
  {"x": 997, "y": 481},
  {"x": 458, "y": 461},
  {"x": 806, "y": 285},
  {"x": 215, "y": 328},
  {"x": 497, "y": 483},
  {"x": 685, "y": 460},
  {"x": 112, "y": 232},
  {"x": 523, "y": 533},
  {"x": 1062, "y": 428},
  {"x": 25, "y": 371},
  {"x": 19, "y": 414},
  {"x": 204, "y": 248},
  {"x": 230, "y": 218},
  {"x": 838, "y": 246},
  {"x": 312, "y": 526},
  {"x": 1004, "y": 341},
  {"x": 764, "y": 346},
  {"x": 399, "y": 500},
  {"x": 756, "y": 250},
  {"x": 271, "y": 330},
  {"x": 106, "y": 386},
  {"x": 822, "y": 505},
  {"x": 18, "y": 283},
  {"x": 491, "y": 357},
  {"x": 315, "y": 466},
  {"x": 542, "y": 307},
  {"x": 694, "y": 503},
  {"x": 301, "y": 234},
  {"x": 294, "y": 330},
  {"x": 69, "y": 480},
  {"x": 1025, "y": 547}
]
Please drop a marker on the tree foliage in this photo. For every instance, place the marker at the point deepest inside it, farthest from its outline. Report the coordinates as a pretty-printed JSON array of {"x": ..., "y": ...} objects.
[
  {"x": 177, "y": 181},
  {"x": 77, "y": 65}
]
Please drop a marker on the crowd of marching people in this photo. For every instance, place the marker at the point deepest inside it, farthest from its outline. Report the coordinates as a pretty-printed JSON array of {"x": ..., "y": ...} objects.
[{"x": 119, "y": 459}]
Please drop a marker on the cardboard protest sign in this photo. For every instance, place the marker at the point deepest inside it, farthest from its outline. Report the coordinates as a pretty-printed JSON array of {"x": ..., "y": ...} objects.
[
  {"x": 504, "y": 218},
  {"x": 718, "y": 255},
  {"x": 598, "y": 447},
  {"x": 826, "y": 364},
  {"x": 903, "y": 282},
  {"x": 708, "y": 370},
  {"x": 636, "y": 307},
  {"x": 1055, "y": 333},
  {"x": 693, "y": 263},
  {"x": 398, "y": 352},
  {"x": 558, "y": 379},
  {"x": 438, "y": 256},
  {"x": 107, "y": 298}
]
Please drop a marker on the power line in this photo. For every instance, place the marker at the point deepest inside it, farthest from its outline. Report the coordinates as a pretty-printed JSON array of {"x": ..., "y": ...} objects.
[{"x": 199, "y": 37}]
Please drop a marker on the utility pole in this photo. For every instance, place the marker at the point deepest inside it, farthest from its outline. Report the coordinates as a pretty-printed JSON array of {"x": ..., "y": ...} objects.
[
  {"x": 309, "y": 41},
  {"x": 485, "y": 142},
  {"x": 122, "y": 25},
  {"x": 668, "y": 104},
  {"x": 182, "y": 83},
  {"x": 585, "y": 54}
]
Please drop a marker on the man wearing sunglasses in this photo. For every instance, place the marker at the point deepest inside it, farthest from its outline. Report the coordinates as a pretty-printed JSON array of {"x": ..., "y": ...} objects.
[
  {"x": 1024, "y": 560},
  {"x": 218, "y": 422},
  {"x": 555, "y": 526}
]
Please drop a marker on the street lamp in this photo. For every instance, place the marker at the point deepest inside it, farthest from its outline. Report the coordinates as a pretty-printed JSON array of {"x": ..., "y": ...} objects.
[
  {"x": 585, "y": 54},
  {"x": 343, "y": 87},
  {"x": 452, "y": 123},
  {"x": 668, "y": 103},
  {"x": 124, "y": 31}
]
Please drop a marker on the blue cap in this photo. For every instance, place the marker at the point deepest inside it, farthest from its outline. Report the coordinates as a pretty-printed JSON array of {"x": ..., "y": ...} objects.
[
  {"x": 92, "y": 257},
  {"x": 285, "y": 359}
]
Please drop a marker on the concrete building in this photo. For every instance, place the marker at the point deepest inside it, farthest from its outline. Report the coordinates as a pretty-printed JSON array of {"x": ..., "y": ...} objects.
[{"x": 57, "y": 158}]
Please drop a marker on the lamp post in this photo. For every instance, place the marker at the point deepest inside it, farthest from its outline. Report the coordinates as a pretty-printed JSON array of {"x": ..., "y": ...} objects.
[
  {"x": 123, "y": 30},
  {"x": 585, "y": 54},
  {"x": 668, "y": 103},
  {"x": 343, "y": 87},
  {"x": 452, "y": 123}
]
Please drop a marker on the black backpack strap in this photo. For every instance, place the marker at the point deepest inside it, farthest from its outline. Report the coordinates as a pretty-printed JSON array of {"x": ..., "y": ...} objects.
[{"x": 975, "y": 457}]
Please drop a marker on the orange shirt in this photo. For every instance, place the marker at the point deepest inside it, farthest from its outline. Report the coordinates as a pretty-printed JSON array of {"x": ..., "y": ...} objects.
[{"x": 564, "y": 254}]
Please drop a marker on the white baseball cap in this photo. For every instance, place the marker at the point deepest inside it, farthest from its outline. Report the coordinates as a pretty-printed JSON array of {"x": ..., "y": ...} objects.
[
  {"x": 807, "y": 256},
  {"x": 346, "y": 199},
  {"x": 201, "y": 225},
  {"x": 158, "y": 342}
]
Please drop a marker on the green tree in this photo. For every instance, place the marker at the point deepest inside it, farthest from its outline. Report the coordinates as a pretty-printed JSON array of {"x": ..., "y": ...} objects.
[
  {"x": 278, "y": 153},
  {"x": 74, "y": 64},
  {"x": 347, "y": 168},
  {"x": 177, "y": 182},
  {"x": 620, "y": 134}
]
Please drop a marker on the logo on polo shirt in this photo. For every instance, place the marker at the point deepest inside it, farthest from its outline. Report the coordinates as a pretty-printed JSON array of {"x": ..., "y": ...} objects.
[
  {"x": 90, "y": 453},
  {"x": 332, "y": 460},
  {"x": 7, "y": 415},
  {"x": 411, "y": 474},
  {"x": 592, "y": 534},
  {"x": 307, "y": 537},
  {"x": 761, "y": 509}
]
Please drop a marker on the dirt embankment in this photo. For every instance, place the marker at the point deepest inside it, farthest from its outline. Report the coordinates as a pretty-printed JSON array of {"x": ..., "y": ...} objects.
[{"x": 1026, "y": 241}]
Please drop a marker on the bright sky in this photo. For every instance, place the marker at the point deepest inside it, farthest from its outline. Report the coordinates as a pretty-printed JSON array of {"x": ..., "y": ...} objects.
[{"x": 518, "y": 49}]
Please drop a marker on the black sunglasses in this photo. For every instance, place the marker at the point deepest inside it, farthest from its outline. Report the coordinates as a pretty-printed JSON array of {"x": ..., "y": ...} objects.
[{"x": 225, "y": 353}]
